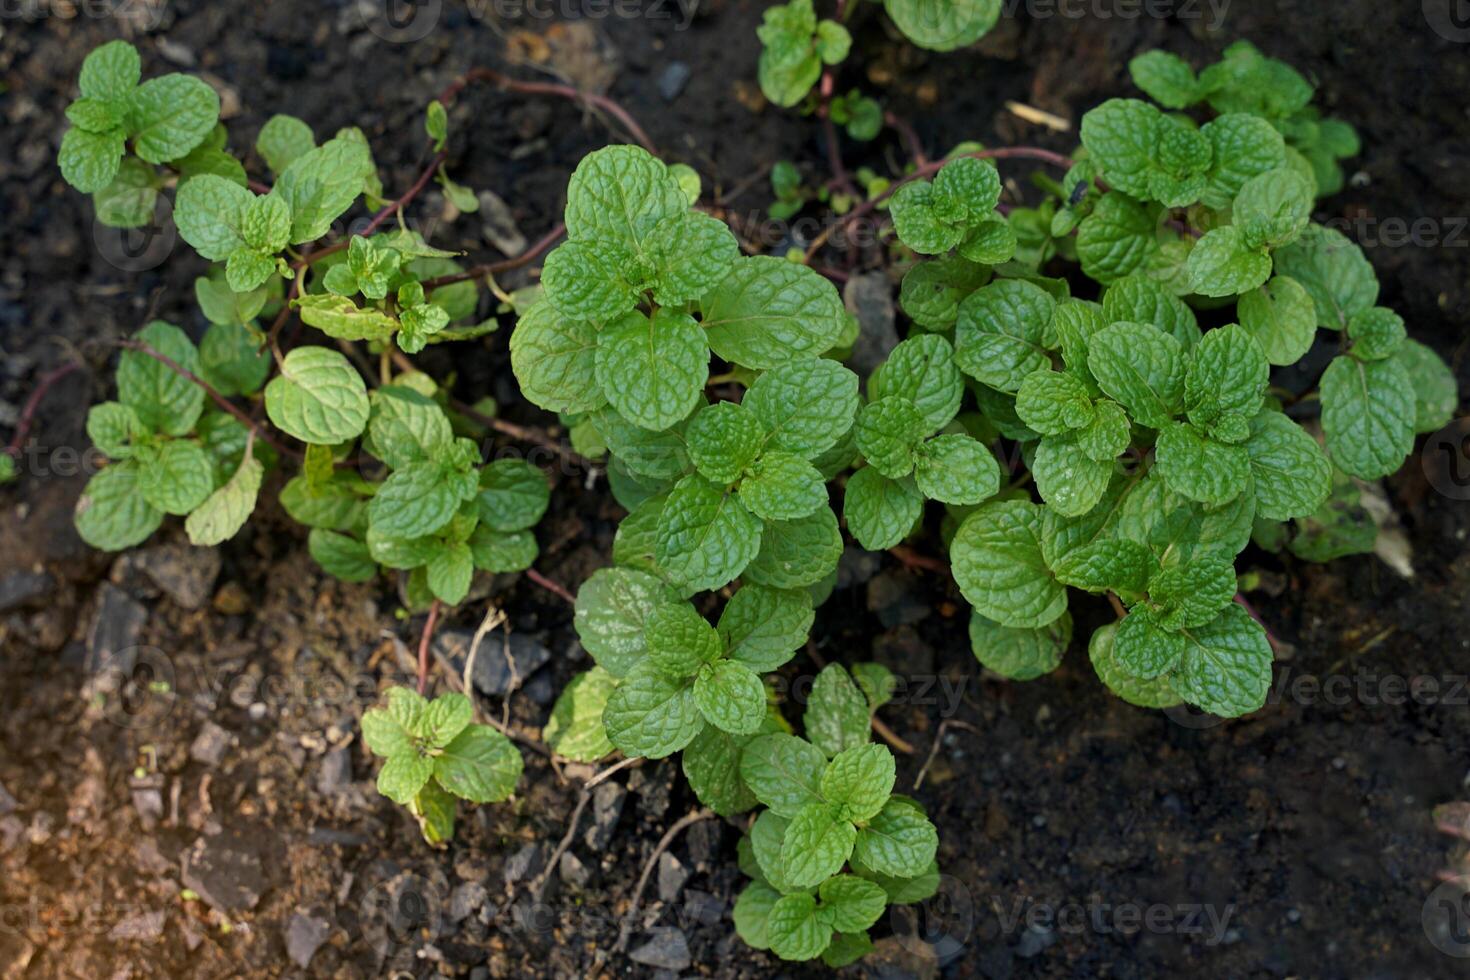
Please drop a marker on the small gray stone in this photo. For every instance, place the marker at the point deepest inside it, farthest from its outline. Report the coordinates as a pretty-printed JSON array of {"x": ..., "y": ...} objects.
[
  {"x": 210, "y": 745},
  {"x": 24, "y": 588},
  {"x": 1034, "y": 941},
  {"x": 523, "y": 864},
  {"x": 869, "y": 297},
  {"x": 671, "y": 877},
  {"x": 856, "y": 566},
  {"x": 145, "y": 927},
  {"x": 573, "y": 871},
  {"x": 667, "y": 948},
  {"x": 498, "y": 225},
  {"x": 335, "y": 772},
  {"x": 305, "y": 934},
  {"x": 8, "y": 803},
  {"x": 225, "y": 871},
  {"x": 607, "y": 807},
  {"x": 492, "y": 674},
  {"x": 466, "y": 900},
  {"x": 113, "y": 640},
  {"x": 671, "y": 83},
  {"x": 185, "y": 574}
]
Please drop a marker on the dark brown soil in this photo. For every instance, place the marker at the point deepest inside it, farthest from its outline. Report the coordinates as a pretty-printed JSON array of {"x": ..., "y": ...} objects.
[{"x": 1294, "y": 843}]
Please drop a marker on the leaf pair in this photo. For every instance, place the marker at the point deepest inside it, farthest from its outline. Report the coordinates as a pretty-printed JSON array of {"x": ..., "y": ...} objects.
[
  {"x": 955, "y": 211},
  {"x": 795, "y": 46}
]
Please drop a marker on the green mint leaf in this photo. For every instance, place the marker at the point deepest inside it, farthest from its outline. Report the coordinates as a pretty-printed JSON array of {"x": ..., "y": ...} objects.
[
  {"x": 318, "y": 397},
  {"x": 1020, "y": 654},
  {"x": 406, "y": 427},
  {"x": 111, "y": 71},
  {"x": 341, "y": 556},
  {"x": 248, "y": 268},
  {"x": 899, "y": 841},
  {"x": 784, "y": 772},
  {"x": 514, "y": 495},
  {"x": 1244, "y": 146},
  {"x": 795, "y": 930},
  {"x": 931, "y": 292},
  {"x": 691, "y": 254},
  {"x": 1199, "y": 467},
  {"x": 1053, "y": 402},
  {"x": 922, "y": 222},
  {"x": 1108, "y": 435},
  {"x": 706, "y": 536},
  {"x": 833, "y": 42},
  {"x": 617, "y": 195},
  {"x": 888, "y": 431},
  {"x": 334, "y": 507},
  {"x": 435, "y": 809},
  {"x": 111, "y": 515},
  {"x": 1334, "y": 270},
  {"x": 944, "y": 25},
  {"x": 321, "y": 184},
  {"x": 225, "y": 511},
  {"x": 816, "y": 845},
  {"x": 731, "y": 697},
  {"x": 131, "y": 199},
  {"x": 1368, "y": 414},
  {"x": 177, "y": 478},
  {"x": 1226, "y": 669},
  {"x": 210, "y": 214},
  {"x": 1281, "y": 317},
  {"x": 651, "y": 714},
  {"x": 680, "y": 641},
  {"x": 416, "y": 500},
  {"x": 1068, "y": 479},
  {"x": 1436, "y": 394},
  {"x": 1166, "y": 78},
  {"x": 575, "y": 729},
  {"x": 763, "y": 627},
  {"x": 837, "y": 717},
  {"x": 806, "y": 406},
  {"x": 1119, "y": 238},
  {"x": 385, "y": 735},
  {"x": 880, "y": 512},
  {"x": 586, "y": 280},
  {"x": 170, "y": 115},
  {"x": 782, "y": 486},
  {"x": 1146, "y": 650},
  {"x": 403, "y": 776},
  {"x": 282, "y": 139},
  {"x": 877, "y": 683},
  {"x": 797, "y": 554},
  {"x": 789, "y": 62},
  {"x": 1142, "y": 368},
  {"x": 711, "y": 764},
  {"x": 724, "y": 439},
  {"x": 222, "y": 305},
  {"x": 921, "y": 370},
  {"x": 501, "y": 551},
  {"x": 859, "y": 780},
  {"x": 955, "y": 469},
  {"x": 480, "y": 765},
  {"x": 1225, "y": 263},
  {"x": 1375, "y": 333},
  {"x": 1227, "y": 376},
  {"x": 163, "y": 399},
  {"x": 1112, "y": 564},
  {"x": 114, "y": 428},
  {"x": 436, "y": 124},
  {"x": 1075, "y": 321},
  {"x": 653, "y": 370},
  {"x": 1000, "y": 337},
  {"x": 612, "y": 611},
  {"x": 1291, "y": 475},
  {"x": 266, "y": 224},
  {"x": 1189, "y": 595},
  {"x": 998, "y": 564},
  {"x": 1122, "y": 137},
  {"x": 450, "y": 572},
  {"x": 846, "y": 949},
  {"x": 445, "y": 717},
  {"x": 767, "y": 312},
  {"x": 1273, "y": 208},
  {"x": 231, "y": 359},
  {"x": 554, "y": 359},
  {"x": 90, "y": 161},
  {"x": 1139, "y": 299},
  {"x": 753, "y": 912},
  {"x": 1155, "y": 693},
  {"x": 852, "y": 904}
]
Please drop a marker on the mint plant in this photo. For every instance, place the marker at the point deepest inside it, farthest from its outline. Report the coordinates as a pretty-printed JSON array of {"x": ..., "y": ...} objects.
[{"x": 434, "y": 754}]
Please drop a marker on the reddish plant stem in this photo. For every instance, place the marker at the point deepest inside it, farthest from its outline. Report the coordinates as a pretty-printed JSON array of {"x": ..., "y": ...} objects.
[
  {"x": 258, "y": 187},
  {"x": 929, "y": 170},
  {"x": 913, "y": 559},
  {"x": 504, "y": 265},
  {"x": 588, "y": 99},
  {"x": 33, "y": 404},
  {"x": 213, "y": 393},
  {"x": 424, "y": 638},
  {"x": 910, "y": 138},
  {"x": 1244, "y": 603},
  {"x": 550, "y": 585}
]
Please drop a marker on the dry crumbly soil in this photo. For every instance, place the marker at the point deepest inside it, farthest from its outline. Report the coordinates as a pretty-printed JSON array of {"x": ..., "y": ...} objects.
[{"x": 1294, "y": 843}]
